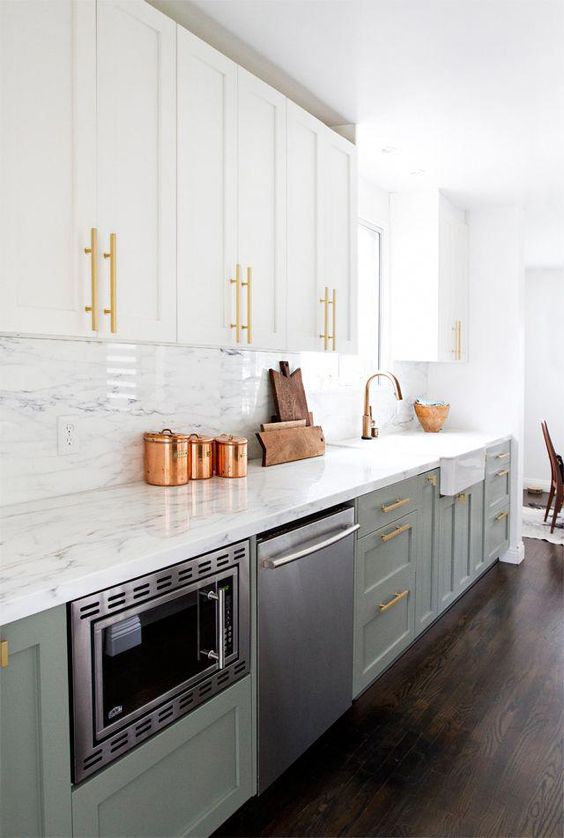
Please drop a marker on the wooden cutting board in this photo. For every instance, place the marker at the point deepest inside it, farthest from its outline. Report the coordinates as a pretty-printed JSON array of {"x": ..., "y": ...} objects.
[
  {"x": 290, "y": 444},
  {"x": 289, "y": 394}
]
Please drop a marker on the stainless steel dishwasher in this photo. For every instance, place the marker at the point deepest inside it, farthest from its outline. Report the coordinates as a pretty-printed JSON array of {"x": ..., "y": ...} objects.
[{"x": 305, "y": 624}]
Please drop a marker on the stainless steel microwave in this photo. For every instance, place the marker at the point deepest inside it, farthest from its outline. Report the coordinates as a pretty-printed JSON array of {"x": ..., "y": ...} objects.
[{"x": 147, "y": 652}]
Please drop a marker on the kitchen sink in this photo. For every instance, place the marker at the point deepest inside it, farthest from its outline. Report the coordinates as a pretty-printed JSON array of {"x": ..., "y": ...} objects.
[{"x": 460, "y": 472}]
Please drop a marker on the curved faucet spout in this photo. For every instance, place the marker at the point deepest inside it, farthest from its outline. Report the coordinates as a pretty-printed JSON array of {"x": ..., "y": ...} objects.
[{"x": 369, "y": 429}]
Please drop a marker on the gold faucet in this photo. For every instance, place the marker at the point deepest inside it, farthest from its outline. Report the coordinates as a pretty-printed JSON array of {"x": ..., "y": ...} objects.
[{"x": 369, "y": 429}]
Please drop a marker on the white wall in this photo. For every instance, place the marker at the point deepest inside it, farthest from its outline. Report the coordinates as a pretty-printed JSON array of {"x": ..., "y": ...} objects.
[
  {"x": 487, "y": 392},
  {"x": 544, "y": 369}
]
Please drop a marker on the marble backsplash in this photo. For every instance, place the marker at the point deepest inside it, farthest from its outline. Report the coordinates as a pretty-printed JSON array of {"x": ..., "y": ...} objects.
[{"x": 116, "y": 391}]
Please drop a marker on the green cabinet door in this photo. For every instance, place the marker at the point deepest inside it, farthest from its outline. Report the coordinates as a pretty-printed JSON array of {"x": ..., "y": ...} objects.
[
  {"x": 185, "y": 781},
  {"x": 461, "y": 542},
  {"x": 427, "y": 583},
  {"x": 35, "y": 781}
]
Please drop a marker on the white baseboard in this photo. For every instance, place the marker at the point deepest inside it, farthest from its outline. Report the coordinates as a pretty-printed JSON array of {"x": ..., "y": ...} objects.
[
  {"x": 514, "y": 555},
  {"x": 536, "y": 481}
]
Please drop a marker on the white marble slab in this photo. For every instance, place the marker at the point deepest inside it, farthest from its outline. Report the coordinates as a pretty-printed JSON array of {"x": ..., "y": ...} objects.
[
  {"x": 115, "y": 391},
  {"x": 58, "y": 549}
]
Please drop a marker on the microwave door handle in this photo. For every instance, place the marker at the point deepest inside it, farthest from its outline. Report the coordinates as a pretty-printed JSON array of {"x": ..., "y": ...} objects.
[{"x": 218, "y": 656}]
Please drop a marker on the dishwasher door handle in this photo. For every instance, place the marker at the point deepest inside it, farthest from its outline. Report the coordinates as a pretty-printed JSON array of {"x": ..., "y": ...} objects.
[{"x": 272, "y": 564}]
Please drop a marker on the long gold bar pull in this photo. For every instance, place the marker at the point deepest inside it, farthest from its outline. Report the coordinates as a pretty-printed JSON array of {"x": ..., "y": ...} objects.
[
  {"x": 325, "y": 301},
  {"x": 458, "y": 333},
  {"x": 397, "y": 597},
  {"x": 333, "y": 335},
  {"x": 93, "y": 252},
  {"x": 237, "y": 283},
  {"x": 112, "y": 256},
  {"x": 4, "y": 653},
  {"x": 249, "y": 286}
]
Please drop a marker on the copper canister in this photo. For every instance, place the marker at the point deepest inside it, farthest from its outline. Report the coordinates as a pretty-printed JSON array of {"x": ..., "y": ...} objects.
[
  {"x": 166, "y": 458},
  {"x": 201, "y": 456},
  {"x": 231, "y": 452}
]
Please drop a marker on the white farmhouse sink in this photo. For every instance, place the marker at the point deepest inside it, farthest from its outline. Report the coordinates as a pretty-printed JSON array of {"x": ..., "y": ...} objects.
[{"x": 462, "y": 471}]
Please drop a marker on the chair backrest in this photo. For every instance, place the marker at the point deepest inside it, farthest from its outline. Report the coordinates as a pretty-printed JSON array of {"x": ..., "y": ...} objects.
[{"x": 554, "y": 467}]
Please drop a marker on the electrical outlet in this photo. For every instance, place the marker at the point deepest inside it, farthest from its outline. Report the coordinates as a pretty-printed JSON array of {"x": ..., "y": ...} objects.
[{"x": 67, "y": 435}]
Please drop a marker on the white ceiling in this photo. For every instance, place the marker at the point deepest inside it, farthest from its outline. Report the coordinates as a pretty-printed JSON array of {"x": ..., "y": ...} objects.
[{"x": 469, "y": 91}]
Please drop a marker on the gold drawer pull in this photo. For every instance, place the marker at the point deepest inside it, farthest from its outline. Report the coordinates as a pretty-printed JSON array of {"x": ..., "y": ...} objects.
[
  {"x": 3, "y": 653},
  {"x": 502, "y": 473},
  {"x": 396, "y": 532},
  {"x": 501, "y": 516},
  {"x": 397, "y": 597},
  {"x": 112, "y": 310},
  {"x": 503, "y": 456},
  {"x": 395, "y": 505}
]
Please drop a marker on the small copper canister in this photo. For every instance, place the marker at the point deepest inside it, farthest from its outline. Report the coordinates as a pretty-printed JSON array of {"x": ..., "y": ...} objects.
[
  {"x": 200, "y": 457},
  {"x": 166, "y": 458},
  {"x": 231, "y": 454}
]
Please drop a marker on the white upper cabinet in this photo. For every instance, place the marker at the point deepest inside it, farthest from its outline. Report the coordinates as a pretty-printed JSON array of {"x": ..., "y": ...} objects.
[
  {"x": 339, "y": 241},
  {"x": 322, "y": 260},
  {"x": 47, "y": 164},
  {"x": 261, "y": 213},
  {"x": 305, "y": 282},
  {"x": 429, "y": 271},
  {"x": 137, "y": 167},
  {"x": 207, "y": 191}
]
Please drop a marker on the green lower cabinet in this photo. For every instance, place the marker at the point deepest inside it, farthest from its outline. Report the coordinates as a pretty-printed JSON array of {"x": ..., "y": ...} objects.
[
  {"x": 496, "y": 535},
  {"x": 460, "y": 542},
  {"x": 185, "y": 781},
  {"x": 427, "y": 582},
  {"x": 384, "y": 597},
  {"x": 35, "y": 780}
]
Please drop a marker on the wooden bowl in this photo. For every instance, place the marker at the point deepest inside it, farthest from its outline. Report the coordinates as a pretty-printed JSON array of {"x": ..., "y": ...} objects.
[{"x": 431, "y": 417}]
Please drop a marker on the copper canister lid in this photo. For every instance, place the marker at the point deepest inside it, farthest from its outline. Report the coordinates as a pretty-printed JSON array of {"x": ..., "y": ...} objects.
[
  {"x": 229, "y": 439},
  {"x": 199, "y": 438},
  {"x": 166, "y": 436}
]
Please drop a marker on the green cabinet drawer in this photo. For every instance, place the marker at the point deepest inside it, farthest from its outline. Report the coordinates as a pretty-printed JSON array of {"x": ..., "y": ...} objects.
[
  {"x": 498, "y": 486},
  {"x": 35, "y": 779},
  {"x": 384, "y": 597},
  {"x": 498, "y": 457},
  {"x": 496, "y": 537},
  {"x": 388, "y": 504},
  {"x": 185, "y": 781}
]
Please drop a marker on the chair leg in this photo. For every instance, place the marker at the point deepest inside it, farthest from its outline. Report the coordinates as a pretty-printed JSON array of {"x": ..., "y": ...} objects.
[
  {"x": 549, "y": 504},
  {"x": 557, "y": 507}
]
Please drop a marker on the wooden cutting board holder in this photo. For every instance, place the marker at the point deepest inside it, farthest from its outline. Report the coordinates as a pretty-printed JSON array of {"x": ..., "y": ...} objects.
[{"x": 296, "y": 437}]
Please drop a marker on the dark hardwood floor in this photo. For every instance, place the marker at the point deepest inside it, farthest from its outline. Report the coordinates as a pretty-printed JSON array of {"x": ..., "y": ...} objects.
[{"x": 461, "y": 737}]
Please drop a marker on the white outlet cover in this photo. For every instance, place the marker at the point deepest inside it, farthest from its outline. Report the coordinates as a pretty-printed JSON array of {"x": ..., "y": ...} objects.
[{"x": 67, "y": 435}]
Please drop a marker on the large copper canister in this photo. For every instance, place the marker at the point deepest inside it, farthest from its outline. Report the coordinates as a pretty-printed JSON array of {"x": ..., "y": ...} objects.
[
  {"x": 201, "y": 457},
  {"x": 166, "y": 458},
  {"x": 231, "y": 456}
]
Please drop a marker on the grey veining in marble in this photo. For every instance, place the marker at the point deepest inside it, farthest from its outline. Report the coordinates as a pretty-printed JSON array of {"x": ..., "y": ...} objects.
[
  {"x": 58, "y": 549},
  {"x": 116, "y": 391}
]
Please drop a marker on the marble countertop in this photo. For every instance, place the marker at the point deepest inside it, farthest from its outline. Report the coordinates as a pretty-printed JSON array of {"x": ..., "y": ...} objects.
[{"x": 58, "y": 549}]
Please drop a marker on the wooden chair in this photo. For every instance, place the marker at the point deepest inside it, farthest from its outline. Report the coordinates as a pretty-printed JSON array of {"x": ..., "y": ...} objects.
[{"x": 557, "y": 478}]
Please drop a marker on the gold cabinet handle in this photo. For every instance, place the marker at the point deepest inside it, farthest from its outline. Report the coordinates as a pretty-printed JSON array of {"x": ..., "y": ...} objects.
[
  {"x": 397, "y": 597},
  {"x": 112, "y": 256},
  {"x": 333, "y": 337},
  {"x": 395, "y": 505},
  {"x": 237, "y": 283},
  {"x": 92, "y": 251},
  {"x": 457, "y": 329},
  {"x": 460, "y": 340},
  {"x": 502, "y": 472},
  {"x": 432, "y": 479},
  {"x": 249, "y": 286},
  {"x": 501, "y": 515},
  {"x": 325, "y": 302},
  {"x": 502, "y": 456},
  {"x": 461, "y": 497},
  {"x": 394, "y": 534},
  {"x": 4, "y": 654}
]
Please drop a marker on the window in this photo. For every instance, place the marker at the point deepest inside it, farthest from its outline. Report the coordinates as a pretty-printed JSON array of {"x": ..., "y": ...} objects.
[{"x": 369, "y": 276}]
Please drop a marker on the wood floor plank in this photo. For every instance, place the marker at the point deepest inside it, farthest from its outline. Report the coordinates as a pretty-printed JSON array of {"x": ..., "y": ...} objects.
[{"x": 462, "y": 736}]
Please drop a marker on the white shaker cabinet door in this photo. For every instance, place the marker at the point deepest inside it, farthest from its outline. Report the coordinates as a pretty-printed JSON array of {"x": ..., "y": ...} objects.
[
  {"x": 340, "y": 241},
  {"x": 47, "y": 164},
  {"x": 137, "y": 167},
  {"x": 305, "y": 278},
  {"x": 207, "y": 191},
  {"x": 261, "y": 211}
]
